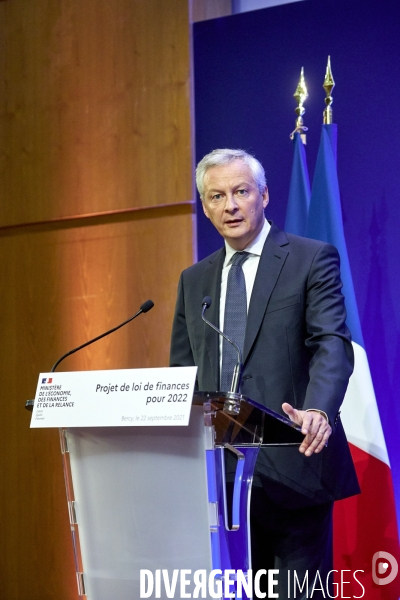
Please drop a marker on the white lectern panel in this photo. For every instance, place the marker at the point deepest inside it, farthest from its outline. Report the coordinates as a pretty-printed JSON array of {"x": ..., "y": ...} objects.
[{"x": 141, "y": 503}]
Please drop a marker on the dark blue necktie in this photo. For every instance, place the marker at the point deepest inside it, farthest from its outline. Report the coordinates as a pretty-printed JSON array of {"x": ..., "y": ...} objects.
[{"x": 235, "y": 318}]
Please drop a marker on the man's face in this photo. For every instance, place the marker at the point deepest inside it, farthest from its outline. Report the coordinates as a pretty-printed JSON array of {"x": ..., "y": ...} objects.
[{"x": 233, "y": 203}]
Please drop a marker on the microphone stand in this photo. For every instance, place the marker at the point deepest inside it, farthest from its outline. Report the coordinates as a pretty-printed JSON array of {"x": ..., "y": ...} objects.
[
  {"x": 237, "y": 373},
  {"x": 146, "y": 306}
]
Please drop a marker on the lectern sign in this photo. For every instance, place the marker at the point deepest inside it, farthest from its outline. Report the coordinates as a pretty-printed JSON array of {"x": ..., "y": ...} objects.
[{"x": 123, "y": 397}]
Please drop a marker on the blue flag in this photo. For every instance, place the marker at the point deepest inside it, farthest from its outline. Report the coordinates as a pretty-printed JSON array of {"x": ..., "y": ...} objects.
[
  {"x": 299, "y": 191},
  {"x": 325, "y": 221}
]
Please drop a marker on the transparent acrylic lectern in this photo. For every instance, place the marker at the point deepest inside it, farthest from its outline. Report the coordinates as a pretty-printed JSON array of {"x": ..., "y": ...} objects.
[{"x": 165, "y": 498}]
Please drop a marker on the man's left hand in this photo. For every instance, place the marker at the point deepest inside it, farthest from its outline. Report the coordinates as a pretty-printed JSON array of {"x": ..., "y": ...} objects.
[{"x": 313, "y": 425}]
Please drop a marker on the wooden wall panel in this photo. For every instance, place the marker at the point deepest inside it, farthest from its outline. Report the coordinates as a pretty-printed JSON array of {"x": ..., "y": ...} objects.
[
  {"x": 72, "y": 283},
  {"x": 69, "y": 285},
  {"x": 94, "y": 113},
  {"x": 96, "y": 216}
]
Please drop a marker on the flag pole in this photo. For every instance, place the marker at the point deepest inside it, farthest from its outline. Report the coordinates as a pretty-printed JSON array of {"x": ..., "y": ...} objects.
[
  {"x": 299, "y": 190},
  {"x": 301, "y": 95},
  {"x": 328, "y": 86}
]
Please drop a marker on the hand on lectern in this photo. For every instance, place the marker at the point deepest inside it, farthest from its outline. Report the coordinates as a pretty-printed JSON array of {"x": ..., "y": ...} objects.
[{"x": 314, "y": 426}]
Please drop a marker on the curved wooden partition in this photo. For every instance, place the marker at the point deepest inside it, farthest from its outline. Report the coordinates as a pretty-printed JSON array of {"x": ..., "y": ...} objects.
[{"x": 96, "y": 212}]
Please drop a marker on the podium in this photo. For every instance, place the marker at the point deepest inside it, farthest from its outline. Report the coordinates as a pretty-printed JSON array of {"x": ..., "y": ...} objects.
[{"x": 153, "y": 509}]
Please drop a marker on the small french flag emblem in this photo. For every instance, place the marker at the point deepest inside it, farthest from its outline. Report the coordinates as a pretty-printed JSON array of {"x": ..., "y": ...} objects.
[{"x": 47, "y": 380}]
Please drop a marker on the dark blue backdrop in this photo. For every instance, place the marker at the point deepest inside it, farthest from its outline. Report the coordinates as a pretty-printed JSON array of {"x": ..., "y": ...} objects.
[{"x": 246, "y": 69}]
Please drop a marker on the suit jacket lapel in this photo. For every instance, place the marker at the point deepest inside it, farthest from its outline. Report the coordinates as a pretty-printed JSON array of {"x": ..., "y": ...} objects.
[
  {"x": 271, "y": 262},
  {"x": 212, "y": 288}
]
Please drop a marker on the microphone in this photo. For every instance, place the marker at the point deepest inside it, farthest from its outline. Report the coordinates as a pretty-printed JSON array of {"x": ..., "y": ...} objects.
[
  {"x": 145, "y": 307},
  {"x": 237, "y": 373}
]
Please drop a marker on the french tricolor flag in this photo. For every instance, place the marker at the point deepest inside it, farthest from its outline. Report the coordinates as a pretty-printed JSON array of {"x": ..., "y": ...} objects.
[{"x": 364, "y": 524}]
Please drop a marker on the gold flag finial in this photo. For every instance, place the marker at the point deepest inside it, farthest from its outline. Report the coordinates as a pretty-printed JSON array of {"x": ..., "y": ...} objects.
[
  {"x": 301, "y": 96},
  {"x": 328, "y": 86}
]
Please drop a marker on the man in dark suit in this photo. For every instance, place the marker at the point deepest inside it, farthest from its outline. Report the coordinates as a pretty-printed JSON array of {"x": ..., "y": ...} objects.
[{"x": 297, "y": 359}]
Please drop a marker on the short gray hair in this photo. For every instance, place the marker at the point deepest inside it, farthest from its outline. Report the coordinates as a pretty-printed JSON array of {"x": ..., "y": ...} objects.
[{"x": 225, "y": 156}]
